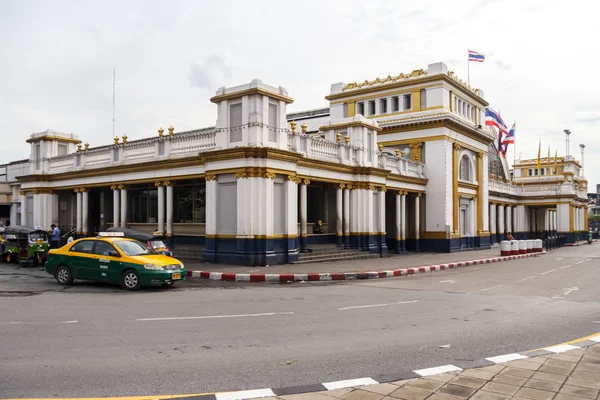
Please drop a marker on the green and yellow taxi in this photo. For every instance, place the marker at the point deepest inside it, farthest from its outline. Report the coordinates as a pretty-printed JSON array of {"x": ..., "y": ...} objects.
[{"x": 113, "y": 258}]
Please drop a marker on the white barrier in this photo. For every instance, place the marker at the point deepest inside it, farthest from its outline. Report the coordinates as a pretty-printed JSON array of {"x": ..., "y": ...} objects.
[
  {"x": 522, "y": 247},
  {"x": 505, "y": 248},
  {"x": 537, "y": 246},
  {"x": 530, "y": 246},
  {"x": 514, "y": 247}
]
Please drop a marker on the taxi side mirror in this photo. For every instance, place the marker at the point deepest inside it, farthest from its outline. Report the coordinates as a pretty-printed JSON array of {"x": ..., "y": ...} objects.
[{"x": 113, "y": 253}]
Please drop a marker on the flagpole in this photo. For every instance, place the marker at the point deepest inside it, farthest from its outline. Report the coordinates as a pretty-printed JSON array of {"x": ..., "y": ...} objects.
[{"x": 468, "y": 71}]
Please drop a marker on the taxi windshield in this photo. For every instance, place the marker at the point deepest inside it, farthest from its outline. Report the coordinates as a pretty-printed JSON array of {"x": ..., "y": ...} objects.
[
  {"x": 157, "y": 244},
  {"x": 133, "y": 248}
]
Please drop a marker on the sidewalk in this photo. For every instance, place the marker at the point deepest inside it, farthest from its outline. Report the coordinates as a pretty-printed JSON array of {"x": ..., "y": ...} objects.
[
  {"x": 562, "y": 372},
  {"x": 395, "y": 265}
]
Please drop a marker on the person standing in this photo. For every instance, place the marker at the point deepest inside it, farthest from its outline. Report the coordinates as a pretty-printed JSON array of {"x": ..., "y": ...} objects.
[{"x": 54, "y": 237}]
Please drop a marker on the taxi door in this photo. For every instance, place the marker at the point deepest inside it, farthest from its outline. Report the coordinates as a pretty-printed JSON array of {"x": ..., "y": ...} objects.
[
  {"x": 108, "y": 266},
  {"x": 81, "y": 260}
]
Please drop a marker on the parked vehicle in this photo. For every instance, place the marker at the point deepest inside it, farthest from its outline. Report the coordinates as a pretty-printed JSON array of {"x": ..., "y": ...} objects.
[
  {"x": 113, "y": 258},
  {"x": 155, "y": 241},
  {"x": 24, "y": 244}
]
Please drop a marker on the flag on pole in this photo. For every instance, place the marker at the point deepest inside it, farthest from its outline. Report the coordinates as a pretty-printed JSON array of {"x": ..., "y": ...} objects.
[
  {"x": 493, "y": 118},
  {"x": 475, "y": 56},
  {"x": 510, "y": 137},
  {"x": 539, "y": 163},
  {"x": 501, "y": 150}
]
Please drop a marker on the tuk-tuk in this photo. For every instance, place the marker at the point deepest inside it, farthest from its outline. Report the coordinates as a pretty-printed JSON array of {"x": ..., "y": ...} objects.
[
  {"x": 154, "y": 241},
  {"x": 25, "y": 244}
]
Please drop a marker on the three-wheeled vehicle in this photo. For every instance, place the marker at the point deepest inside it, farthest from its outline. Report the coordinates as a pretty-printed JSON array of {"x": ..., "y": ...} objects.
[
  {"x": 154, "y": 241},
  {"x": 25, "y": 244}
]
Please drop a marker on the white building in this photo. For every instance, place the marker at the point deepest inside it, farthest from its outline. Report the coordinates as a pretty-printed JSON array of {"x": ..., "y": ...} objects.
[{"x": 396, "y": 164}]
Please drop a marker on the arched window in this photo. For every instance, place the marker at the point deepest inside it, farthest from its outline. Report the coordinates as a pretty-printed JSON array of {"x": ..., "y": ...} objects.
[{"x": 465, "y": 168}]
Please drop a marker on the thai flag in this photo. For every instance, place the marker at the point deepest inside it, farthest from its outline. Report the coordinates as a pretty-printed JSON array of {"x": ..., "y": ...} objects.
[
  {"x": 493, "y": 118},
  {"x": 510, "y": 137},
  {"x": 501, "y": 148},
  {"x": 475, "y": 56}
]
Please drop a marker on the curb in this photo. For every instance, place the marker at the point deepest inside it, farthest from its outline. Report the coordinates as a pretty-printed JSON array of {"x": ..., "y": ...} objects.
[
  {"x": 410, "y": 374},
  {"x": 346, "y": 276}
]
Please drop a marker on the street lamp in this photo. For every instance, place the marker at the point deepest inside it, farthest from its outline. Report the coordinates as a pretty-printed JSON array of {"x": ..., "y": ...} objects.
[
  {"x": 582, "y": 147},
  {"x": 567, "y": 133}
]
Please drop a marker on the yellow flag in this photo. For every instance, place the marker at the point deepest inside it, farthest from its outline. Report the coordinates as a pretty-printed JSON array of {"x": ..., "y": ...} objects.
[
  {"x": 555, "y": 161},
  {"x": 539, "y": 163},
  {"x": 548, "y": 173}
]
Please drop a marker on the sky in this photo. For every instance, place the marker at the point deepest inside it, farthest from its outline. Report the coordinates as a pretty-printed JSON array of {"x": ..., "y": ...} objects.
[{"x": 171, "y": 57}]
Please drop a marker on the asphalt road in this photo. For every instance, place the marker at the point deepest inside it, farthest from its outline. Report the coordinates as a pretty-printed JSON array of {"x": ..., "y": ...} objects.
[{"x": 95, "y": 340}]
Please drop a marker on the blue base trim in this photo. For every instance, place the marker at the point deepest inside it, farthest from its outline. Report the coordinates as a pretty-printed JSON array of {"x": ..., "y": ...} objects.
[
  {"x": 303, "y": 244},
  {"x": 454, "y": 245},
  {"x": 321, "y": 239},
  {"x": 252, "y": 252},
  {"x": 339, "y": 241},
  {"x": 346, "y": 241},
  {"x": 482, "y": 242},
  {"x": 186, "y": 241}
]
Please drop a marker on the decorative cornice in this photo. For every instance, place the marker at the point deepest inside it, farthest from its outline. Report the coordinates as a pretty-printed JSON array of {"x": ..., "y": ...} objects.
[
  {"x": 241, "y": 175},
  {"x": 250, "y": 92},
  {"x": 157, "y": 184},
  {"x": 306, "y": 182},
  {"x": 55, "y": 138},
  {"x": 351, "y": 124},
  {"x": 210, "y": 177},
  {"x": 270, "y": 175}
]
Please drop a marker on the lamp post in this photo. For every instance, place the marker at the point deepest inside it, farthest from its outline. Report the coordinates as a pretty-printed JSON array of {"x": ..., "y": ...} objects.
[
  {"x": 567, "y": 133},
  {"x": 582, "y": 147}
]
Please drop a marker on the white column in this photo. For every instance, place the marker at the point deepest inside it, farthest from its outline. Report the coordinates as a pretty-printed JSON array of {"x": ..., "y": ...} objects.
[
  {"x": 169, "y": 186},
  {"x": 161, "y": 207},
  {"x": 303, "y": 211},
  {"x": 123, "y": 206},
  {"x": 492, "y": 219},
  {"x": 417, "y": 218},
  {"x": 116, "y": 204},
  {"x": 398, "y": 217},
  {"x": 501, "y": 229},
  {"x": 79, "y": 211},
  {"x": 84, "y": 211},
  {"x": 346, "y": 215},
  {"x": 339, "y": 208},
  {"x": 403, "y": 217},
  {"x": 23, "y": 198},
  {"x": 381, "y": 224},
  {"x": 211, "y": 206},
  {"x": 508, "y": 219}
]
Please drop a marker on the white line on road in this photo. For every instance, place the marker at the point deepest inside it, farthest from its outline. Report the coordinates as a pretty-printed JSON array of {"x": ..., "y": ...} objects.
[
  {"x": 490, "y": 288},
  {"x": 216, "y": 316},
  {"x": 547, "y": 272},
  {"x": 579, "y": 262},
  {"x": 567, "y": 266},
  {"x": 525, "y": 279},
  {"x": 38, "y": 322},
  {"x": 350, "y": 383},
  {"x": 377, "y": 305}
]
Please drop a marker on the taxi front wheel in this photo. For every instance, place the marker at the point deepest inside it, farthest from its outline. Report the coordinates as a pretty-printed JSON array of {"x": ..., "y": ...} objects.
[
  {"x": 63, "y": 275},
  {"x": 130, "y": 280}
]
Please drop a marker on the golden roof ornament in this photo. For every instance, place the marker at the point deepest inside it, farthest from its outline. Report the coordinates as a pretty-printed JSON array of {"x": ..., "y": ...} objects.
[
  {"x": 116, "y": 139},
  {"x": 171, "y": 130},
  {"x": 397, "y": 152},
  {"x": 161, "y": 132},
  {"x": 380, "y": 147},
  {"x": 293, "y": 126},
  {"x": 79, "y": 147},
  {"x": 338, "y": 137},
  {"x": 87, "y": 146},
  {"x": 347, "y": 139},
  {"x": 124, "y": 139},
  {"x": 303, "y": 127}
]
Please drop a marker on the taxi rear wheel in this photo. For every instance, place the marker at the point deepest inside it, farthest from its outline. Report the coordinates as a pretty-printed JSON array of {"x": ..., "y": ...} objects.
[
  {"x": 63, "y": 275},
  {"x": 130, "y": 280}
]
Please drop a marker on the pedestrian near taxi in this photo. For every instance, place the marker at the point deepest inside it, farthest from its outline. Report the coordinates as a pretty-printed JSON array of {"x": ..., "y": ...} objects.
[{"x": 54, "y": 237}]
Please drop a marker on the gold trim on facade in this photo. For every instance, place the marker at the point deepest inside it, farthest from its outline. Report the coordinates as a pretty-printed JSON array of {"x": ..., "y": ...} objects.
[
  {"x": 250, "y": 92},
  {"x": 59, "y": 139}
]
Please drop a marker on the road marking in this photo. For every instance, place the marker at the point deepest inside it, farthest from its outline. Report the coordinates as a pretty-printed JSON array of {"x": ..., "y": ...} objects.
[
  {"x": 437, "y": 370},
  {"x": 377, "y": 305},
  {"x": 579, "y": 262},
  {"x": 350, "y": 383},
  {"x": 524, "y": 279},
  {"x": 567, "y": 266},
  {"x": 216, "y": 316},
  {"x": 561, "y": 348},
  {"x": 506, "y": 358},
  {"x": 245, "y": 394},
  {"x": 547, "y": 272},
  {"x": 567, "y": 291},
  {"x": 39, "y": 322},
  {"x": 490, "y": 288},
  {"x": 559, "y": 259},
  {"x": 450, "y": 281}
]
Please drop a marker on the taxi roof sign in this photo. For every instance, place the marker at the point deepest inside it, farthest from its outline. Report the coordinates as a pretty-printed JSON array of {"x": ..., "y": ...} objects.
[{"x": 111, "y": 234}]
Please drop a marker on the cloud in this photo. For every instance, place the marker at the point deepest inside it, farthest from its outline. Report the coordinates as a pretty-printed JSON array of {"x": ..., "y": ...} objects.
[
  {"x": 502, "y": 65},
  {"x": 210, "y": 73}
]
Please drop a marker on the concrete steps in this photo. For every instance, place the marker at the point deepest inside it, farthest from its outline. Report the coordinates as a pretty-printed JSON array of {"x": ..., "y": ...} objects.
[{"x": 324, "y": 253}]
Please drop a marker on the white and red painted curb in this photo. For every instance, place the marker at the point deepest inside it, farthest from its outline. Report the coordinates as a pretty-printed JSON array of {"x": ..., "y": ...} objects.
[{"x": 346, "y": 276}]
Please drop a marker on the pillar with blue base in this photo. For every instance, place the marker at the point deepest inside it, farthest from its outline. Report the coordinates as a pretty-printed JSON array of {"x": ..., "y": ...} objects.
[
  {"x": 339, "y": 208},
  {"x": 417, "y": 221},
  {"x": 303, "y": 211},
  {"x": 346, "y": 212}
]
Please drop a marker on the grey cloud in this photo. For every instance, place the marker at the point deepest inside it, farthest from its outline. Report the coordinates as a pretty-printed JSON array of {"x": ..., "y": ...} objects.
[
  {"x": 588, "y": 120},
  {"x": 502, "y": 65},
  {"x": 210, "y": 73}
]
